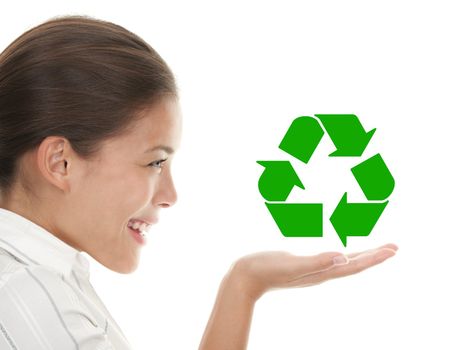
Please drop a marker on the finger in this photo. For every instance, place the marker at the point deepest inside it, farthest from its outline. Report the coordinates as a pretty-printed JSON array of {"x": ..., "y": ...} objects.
[
  {"x": 360, "y": 263},
  {"x": 389, "y": 245},
  {"x": 302, "y": 266},
  {"x": 354, "y": 266}
]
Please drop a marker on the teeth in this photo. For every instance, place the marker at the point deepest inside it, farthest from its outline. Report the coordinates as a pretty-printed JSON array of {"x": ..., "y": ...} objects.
[{"x": 139, "y": 226}]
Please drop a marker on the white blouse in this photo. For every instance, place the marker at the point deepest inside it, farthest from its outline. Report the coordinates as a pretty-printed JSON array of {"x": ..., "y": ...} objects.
[{"x": 46, "y": 298}]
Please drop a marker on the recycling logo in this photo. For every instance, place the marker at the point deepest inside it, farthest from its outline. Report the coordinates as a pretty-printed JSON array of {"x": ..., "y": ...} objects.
[{"x": 306, "y": 219}]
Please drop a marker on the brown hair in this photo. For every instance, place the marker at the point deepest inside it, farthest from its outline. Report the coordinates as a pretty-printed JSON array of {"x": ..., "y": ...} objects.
[{"x": 82, "y": 78}]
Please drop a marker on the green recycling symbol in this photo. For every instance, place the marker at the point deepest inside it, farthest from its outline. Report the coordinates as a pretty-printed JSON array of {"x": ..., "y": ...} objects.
[{"x": 306, "y": 219}]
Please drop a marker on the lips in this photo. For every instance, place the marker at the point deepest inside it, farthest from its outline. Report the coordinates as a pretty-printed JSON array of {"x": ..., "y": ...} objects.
[{"x": 139, "y": 238}]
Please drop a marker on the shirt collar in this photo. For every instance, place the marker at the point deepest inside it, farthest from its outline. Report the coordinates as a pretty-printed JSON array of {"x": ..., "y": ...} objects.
[{"x": 35, "y": 245}]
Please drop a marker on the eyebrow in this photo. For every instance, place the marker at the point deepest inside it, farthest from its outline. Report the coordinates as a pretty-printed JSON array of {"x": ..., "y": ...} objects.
[{"x": 167, "y": 149}]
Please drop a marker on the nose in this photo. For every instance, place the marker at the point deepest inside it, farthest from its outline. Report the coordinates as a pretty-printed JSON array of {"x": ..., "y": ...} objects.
[{"x": 165, "y": 195}]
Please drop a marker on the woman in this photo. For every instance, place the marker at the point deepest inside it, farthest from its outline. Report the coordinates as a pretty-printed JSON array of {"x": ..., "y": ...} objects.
[{"x": 89, "y": 125}]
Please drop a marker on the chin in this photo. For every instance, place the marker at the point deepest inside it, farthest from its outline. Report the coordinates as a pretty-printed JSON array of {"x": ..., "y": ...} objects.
[
  {"x": 126, "y": 268},
  {"x": 123, "y": 267}
]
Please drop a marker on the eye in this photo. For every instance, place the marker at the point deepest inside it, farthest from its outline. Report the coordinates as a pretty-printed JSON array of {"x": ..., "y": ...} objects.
[{"x": 157, "y": 163}]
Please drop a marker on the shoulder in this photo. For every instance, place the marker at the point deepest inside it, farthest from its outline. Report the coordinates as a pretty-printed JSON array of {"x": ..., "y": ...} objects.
[
  {"x": 9, "y": 262},
  {"x": 17, "y": 272},
  {"x": 38, "y": 306}
]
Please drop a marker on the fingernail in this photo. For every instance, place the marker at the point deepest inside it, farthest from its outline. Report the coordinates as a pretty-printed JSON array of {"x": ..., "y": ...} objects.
[{"x": 340, "y": 260}]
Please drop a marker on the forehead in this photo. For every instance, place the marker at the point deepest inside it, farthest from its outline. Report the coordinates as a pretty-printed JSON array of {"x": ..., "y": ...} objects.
[
  {"x": 159, "y": 124},
  {"x": 160, "y": 119}
]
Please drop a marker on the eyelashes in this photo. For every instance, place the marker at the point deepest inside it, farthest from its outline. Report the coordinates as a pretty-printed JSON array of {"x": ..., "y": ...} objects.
[{"x": 158, "y": 164}]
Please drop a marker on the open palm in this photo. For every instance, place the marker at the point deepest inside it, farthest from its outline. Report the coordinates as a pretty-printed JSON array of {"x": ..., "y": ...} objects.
[{"x": 264, "y": 271}]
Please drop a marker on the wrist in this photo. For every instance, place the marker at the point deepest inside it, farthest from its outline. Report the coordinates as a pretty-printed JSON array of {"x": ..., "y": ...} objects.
[{"x": 239, "y": 280}]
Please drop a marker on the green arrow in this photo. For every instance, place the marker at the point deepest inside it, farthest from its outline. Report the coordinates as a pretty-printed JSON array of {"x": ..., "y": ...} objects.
[
  {"x": 298, "y": 219},
  {"x": 347, "y": 134},
  {"x": 374, "y": 178},
  {"x": 302, "y": 138},
  {"x": 277, "y": 180},
  {"x": 355, "y": 219}
]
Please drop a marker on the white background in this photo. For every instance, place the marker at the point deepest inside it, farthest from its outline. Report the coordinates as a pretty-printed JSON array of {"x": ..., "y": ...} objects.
[{"x": 245, "y": 71}]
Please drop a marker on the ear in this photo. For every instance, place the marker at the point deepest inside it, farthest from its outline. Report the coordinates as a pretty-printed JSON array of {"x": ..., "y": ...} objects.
[{"x": 54, "y": 161}]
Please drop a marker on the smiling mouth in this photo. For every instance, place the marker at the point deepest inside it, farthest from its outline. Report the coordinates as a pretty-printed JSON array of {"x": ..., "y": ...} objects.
[
  {"x": 139, "y": 236},
  {"x": 139, "y": 225}
]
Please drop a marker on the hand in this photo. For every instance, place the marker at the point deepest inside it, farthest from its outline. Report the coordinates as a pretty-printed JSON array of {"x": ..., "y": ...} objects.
[{"x": 264, "y": 271}]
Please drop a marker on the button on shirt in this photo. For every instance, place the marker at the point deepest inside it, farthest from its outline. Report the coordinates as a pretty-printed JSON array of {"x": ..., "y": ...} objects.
[{"x": 46, "y": 298}]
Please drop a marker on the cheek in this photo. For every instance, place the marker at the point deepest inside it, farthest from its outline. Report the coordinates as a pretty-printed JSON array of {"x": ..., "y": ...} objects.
[
  {"x": 132, "y": 198},
  {"x": 137, "y": 190},
  {"x": 114, "y": 199}
]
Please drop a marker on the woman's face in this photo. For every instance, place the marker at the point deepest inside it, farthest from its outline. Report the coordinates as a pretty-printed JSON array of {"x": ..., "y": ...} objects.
[{"x": 130, "y": 180}]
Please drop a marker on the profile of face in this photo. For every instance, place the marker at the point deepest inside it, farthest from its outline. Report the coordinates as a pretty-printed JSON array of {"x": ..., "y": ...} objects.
[{"x": 88, "y": 204}]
